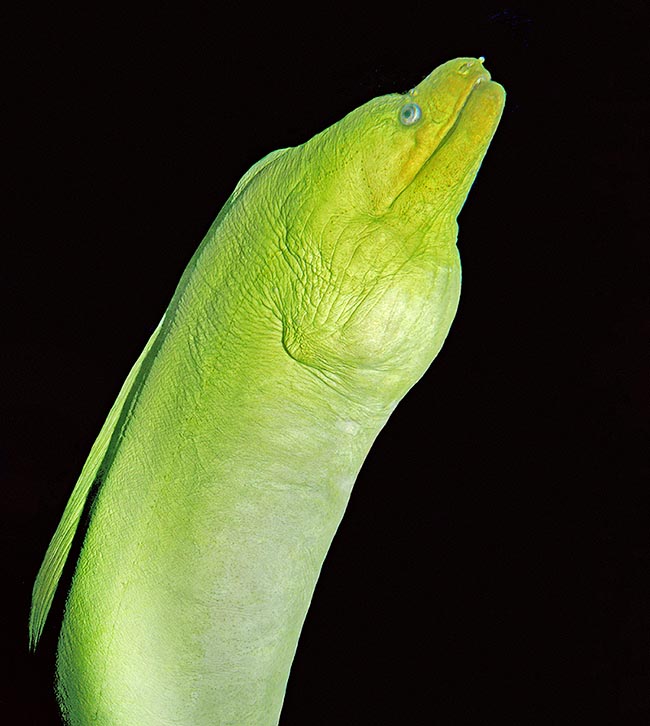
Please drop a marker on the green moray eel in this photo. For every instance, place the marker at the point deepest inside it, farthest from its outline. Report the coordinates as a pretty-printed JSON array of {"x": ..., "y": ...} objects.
[{"x": 321, "y": 293}]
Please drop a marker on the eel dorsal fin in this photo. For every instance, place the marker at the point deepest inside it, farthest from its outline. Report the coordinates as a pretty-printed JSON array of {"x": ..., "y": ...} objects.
[{"x": 50, "y": 571}]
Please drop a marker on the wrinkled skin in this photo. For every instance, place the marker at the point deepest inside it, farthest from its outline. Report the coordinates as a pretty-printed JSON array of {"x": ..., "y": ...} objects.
[{"x": 320, "y": 295}]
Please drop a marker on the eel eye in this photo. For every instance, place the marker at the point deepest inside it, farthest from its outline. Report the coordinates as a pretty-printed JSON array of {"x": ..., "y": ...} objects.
[{"x": 409, "y": 114}]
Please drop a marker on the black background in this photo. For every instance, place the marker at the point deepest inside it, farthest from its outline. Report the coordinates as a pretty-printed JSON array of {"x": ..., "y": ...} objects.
[{"x": 494, "y": 559}]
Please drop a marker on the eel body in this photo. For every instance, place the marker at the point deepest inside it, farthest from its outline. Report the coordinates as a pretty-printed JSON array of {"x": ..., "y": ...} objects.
[{"x": 319, "y": 296}]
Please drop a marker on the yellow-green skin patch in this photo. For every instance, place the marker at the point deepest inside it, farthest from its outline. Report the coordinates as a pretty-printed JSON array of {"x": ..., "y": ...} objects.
[{"x": 320, "y": 295}]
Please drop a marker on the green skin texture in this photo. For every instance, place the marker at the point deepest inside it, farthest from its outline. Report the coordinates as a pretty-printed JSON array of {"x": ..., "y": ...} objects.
[{"x": 319, "y": 296}]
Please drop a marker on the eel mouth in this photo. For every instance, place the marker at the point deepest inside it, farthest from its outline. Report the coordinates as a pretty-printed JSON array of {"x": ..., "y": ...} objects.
[
  {"x": 459, "y": 147},
  {"x": 461, "y": 108},
  {"x": 457, "y": 115}
]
